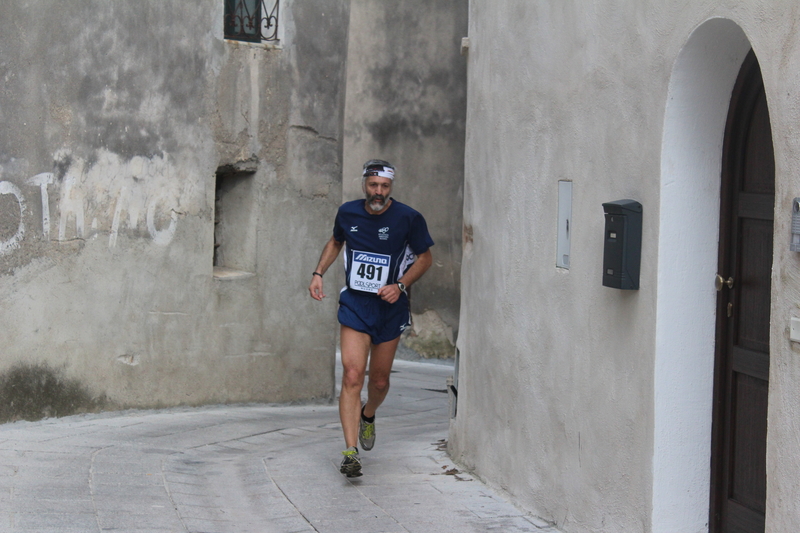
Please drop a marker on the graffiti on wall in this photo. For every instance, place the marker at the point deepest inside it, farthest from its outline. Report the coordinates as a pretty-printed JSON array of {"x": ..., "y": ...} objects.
[
  {"x": 111, "y": 195},
  {"x": 6, "y": 187}
]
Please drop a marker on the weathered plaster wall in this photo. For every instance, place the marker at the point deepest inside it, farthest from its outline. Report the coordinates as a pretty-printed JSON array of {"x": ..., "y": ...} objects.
[
  {"x": 115, "y": 127},
  {"x": 406, "y": 103},
  {"x": 557, "y": 381}
]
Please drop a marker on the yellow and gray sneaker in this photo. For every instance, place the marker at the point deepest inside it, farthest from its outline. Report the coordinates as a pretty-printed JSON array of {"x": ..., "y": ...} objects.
[
  {"x": 351, "y": 464},
  {"x": 366, "y": 432}
]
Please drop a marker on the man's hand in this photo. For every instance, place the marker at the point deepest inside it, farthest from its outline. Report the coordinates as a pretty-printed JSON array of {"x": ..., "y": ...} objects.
[
  {"x": 329, "y": 255},
  {"x": 390, "y": 293},
  {"x": 316, "y": 288}
]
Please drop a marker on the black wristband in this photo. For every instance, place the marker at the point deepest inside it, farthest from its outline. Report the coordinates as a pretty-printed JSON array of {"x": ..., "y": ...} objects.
[{"x": 316, "y": 274}]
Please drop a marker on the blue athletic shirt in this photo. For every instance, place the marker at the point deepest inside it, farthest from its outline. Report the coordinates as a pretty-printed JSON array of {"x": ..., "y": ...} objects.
[{"x": 379, "y": 249}]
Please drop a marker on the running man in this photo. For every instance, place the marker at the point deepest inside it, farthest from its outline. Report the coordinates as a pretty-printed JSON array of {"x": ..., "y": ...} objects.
[{"x": 386, "y": 250}]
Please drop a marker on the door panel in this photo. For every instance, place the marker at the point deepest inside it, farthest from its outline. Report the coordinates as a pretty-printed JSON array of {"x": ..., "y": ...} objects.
[
  {"x": 753, "y": 279},
  {"x": 739, "y": 479},
  {"x": 749, "y": 475},
  {"x": 759, "y": 171}
]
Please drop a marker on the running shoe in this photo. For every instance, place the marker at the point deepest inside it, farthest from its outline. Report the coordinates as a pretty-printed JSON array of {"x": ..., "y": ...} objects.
[
  {"x": 351, "y": 465},
  {"x": 366, "y": 433}
]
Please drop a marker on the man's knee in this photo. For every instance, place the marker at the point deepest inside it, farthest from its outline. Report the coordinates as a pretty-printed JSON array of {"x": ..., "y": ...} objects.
[
  {"x": 379, "y": 383},
  {"x": 352, "y": 377}
]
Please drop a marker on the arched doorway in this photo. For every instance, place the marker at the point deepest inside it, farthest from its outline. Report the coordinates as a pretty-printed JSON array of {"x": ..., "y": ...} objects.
[{"x": 701, "y": 83}]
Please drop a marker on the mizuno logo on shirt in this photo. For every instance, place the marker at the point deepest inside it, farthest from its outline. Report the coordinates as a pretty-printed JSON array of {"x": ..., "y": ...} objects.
[
  {"x": 369, "y": 258},
  {"x": 353, "y": 229}
]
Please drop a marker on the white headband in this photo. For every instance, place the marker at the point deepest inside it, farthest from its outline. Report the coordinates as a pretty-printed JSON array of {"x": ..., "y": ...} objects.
[{"x": 378, "y": 170}]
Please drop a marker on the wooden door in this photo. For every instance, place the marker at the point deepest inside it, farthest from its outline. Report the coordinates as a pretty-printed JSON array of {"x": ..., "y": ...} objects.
[{"x": 739, "y": 477}]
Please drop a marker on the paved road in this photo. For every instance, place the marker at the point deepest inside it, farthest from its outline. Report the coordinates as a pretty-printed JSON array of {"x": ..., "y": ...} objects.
[{"x": 248, "y": 468}]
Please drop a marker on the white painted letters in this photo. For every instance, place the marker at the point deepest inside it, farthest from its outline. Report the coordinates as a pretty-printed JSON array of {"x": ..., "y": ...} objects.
[
  {"x": 125, "y": 201},
  {"x": 71, "y": 204},
  {"x": 164, "y": 236},
  {"x": 6, "y": 187},
  {"x": 42, "y": 181},
  {"x": 105, "y": 193}
]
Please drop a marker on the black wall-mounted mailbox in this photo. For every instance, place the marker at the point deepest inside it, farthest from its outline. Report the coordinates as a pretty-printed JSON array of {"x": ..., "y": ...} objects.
[{"x": 622, "y": 251}]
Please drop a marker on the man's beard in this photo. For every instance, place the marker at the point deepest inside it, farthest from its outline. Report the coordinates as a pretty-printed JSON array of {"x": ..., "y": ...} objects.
[{"x": 376, "y": 202}]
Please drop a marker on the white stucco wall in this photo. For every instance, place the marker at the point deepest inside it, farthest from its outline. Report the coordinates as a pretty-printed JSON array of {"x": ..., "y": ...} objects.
[{"x": 589, "y": 405}]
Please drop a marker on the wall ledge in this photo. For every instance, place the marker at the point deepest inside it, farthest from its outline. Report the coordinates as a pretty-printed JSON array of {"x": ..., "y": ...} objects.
[{"x": 228, "y": 274}]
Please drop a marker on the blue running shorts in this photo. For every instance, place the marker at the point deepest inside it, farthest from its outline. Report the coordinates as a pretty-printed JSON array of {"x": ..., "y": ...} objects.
[{"x": 369, "y": 314}]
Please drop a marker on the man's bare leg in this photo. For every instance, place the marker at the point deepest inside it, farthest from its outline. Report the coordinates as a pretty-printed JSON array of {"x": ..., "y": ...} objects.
[
  {"x": 355, "y": 352},
  {"x": 380, "y": 367}
]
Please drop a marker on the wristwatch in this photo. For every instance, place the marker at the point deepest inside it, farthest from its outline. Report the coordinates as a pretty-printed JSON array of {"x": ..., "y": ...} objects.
[{"x": 402, "y": 286}]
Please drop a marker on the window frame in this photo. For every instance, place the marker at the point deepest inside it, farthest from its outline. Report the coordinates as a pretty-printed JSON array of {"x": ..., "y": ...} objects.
[{"x": 238, "y": 19}]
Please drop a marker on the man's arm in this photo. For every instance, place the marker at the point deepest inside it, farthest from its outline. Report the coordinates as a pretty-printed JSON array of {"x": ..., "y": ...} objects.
[
  {"x": 391, "y": 293},
  {"x": 326, "y": 259}
]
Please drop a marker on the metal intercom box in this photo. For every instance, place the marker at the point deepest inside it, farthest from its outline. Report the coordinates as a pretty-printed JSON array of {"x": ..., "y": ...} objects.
[{"x": 622, "y": 250}]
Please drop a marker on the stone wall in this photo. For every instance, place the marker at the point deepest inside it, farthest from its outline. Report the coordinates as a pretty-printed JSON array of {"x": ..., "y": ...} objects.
[{"x": 127, "y": 125}]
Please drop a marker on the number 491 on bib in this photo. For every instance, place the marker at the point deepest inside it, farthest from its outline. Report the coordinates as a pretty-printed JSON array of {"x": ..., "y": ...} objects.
[{"x": 369, "y": 271}]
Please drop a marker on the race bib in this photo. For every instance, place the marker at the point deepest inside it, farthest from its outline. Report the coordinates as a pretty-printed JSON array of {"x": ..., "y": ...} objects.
[{"x": 369, "y": 272}]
